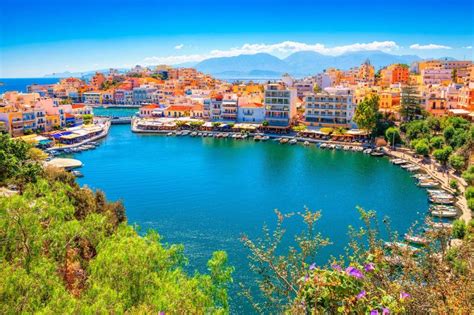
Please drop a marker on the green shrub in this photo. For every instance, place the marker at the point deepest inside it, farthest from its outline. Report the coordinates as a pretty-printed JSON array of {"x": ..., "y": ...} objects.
[
  {"x": 457, "y": 162},
  {"x": 459, "y": 229},
  {"x": 470, "y": 192}
]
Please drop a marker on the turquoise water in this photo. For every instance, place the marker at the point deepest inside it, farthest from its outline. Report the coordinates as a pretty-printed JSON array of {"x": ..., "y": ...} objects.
[
  {"x": 121, "y": 112},
  {"x": 205, "y": 192},
  {"x": 20, "y": 84}
]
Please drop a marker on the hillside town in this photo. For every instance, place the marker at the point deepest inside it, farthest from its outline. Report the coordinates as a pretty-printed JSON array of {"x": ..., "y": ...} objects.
[{"x": 325, "y": 100}]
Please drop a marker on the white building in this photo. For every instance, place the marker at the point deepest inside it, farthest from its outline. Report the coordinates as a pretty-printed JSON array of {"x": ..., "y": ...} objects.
[
  {"x": 251, "y": 113},
  {"x": 92, "y": 97},
  {"x": 280, "y": 105},
  {"x": 334, "y": 107}
]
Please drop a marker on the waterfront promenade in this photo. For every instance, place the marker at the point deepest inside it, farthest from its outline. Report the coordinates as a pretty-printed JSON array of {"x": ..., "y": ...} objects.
[{"x": 442, "y": 177}]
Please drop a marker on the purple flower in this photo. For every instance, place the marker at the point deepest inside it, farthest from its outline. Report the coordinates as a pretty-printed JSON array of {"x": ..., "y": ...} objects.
[
  {"x": 369, "y": 267},
  {"x": 306, "y": 278},
  {"x": 336, "y": 267},
  {"x": 354, "y": 272},
  {"x": 404, "y": 295},
  {"x": 361, "y": 294},
  {"x": 161, "y": 313},
  {"x": 385, "y": 311},
  {"x": 374, "y": 312},
  {"x": 312, "y": 266}
]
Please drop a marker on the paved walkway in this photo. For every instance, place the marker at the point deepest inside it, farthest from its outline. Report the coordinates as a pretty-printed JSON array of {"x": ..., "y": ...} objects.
[{"x": 441, "y": 177}]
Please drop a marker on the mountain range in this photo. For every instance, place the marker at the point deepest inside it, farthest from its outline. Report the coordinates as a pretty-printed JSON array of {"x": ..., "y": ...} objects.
[
  {"x": 298, "y": 64},
  {"x": 264, "y": 65}
]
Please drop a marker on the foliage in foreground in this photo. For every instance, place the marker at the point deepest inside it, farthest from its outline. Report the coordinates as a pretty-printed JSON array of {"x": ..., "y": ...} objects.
[
  {"x": 369, "y": 279},
  {"x": 66, "y": 249}
]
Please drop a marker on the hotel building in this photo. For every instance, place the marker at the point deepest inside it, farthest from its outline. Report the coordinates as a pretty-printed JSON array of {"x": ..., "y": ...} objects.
[{"x": 332, "y": 108}]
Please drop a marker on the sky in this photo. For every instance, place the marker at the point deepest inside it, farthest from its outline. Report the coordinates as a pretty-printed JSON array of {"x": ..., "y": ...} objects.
[{"x": 47, "y": 36}]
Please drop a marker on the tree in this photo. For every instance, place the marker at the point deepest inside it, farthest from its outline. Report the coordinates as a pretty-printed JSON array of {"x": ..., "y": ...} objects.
[
  {"x": 392, "y": 135},
  {"x": 468, "y": 175},
  {"x": 422, "y": 147},
  {"x": 437, "y": 142},
  {"x": 457, "y": 162},
  {"x": 459, "y": 229},
  {"x": 454, "y": 76},
  {"x": 366, "y": 113},
  {"x": 442, "y": 155},
  {"x": 410, "y": 103}
]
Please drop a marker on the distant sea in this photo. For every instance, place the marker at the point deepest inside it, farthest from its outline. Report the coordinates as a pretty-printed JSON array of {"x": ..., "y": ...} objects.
[{"x": 20, "y": 84}]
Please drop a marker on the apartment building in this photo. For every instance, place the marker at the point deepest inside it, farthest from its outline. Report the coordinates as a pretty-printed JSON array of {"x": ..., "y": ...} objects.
[
  {"x": 334, "y": 107},
  {"x": 280, "y": 105}
]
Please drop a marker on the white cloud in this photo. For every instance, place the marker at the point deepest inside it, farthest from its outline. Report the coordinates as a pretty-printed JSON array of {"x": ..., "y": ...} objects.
[
  {"x": 178, "y": 47},
  {"x": 468, "y": 47},
  {"x": 429, "y": 46},
  {"x": 282, "y": 48}
]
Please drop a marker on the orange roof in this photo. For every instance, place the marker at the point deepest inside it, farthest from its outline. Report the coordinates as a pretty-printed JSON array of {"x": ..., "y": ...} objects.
[
  {"x": 150, "y": 106},
  {"x": 69, "y": 115},
  {"x": 180, "y": 108},
  {"x": 198, "y": 107},
  {"x": 78, "y": 106},
  {"x": 252, "y": 105}
]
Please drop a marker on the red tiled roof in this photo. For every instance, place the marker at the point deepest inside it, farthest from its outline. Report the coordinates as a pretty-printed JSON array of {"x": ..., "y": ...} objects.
[
  {"x": 150, "y": 106},
  {"x": 78, "y": 106},
  {"x": 180, "y": 108}
]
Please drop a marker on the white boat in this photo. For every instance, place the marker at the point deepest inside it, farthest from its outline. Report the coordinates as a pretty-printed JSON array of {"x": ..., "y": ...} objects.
[
  {"x": 416, "y": 239},
  {"x": 293, "y": 141},
  {"x": 170, "y": 133},
  {"x": 323, "y": 145},
  {"x": 257, "y": 138},
  {"x": 413, "y": 168},
  {"x": 400, "y": 245},
  {"x": 377, "y": 153},
  {"x": 444, "y": 214},
  {"x": 442, "y": 201},
  {"x": 265, "y": 138},
  {"x": 428, "y": 184},
  {"x": 367, "y": 151},
  {"x": 306, "y": 143},
  {"x": 283, "y": 140},
  {"x": 441, "y": 225},
  {"x": 398, "y": 161},
  {"x": 443, "y": 208}
]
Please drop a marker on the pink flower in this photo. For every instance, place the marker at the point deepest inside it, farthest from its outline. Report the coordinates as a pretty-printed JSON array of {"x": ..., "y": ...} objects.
[
  {"x": 336, "y": 267},
  {"x": 312, "y": 266},
  {"x": 369, "y": 267},
  {"x": 361, "y": 294},
  {"x": 354, "y": 272},
  {"x": 404, "y": 295},
  {"x": 385, "y": 311},
  {"x": 374, "y": 312}
]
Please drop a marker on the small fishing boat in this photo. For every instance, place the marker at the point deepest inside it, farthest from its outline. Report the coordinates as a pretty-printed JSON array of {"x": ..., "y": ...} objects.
[
  {"x": 416, "y": 239},
  {"x": 377, "y": 153},
  {"x": 443, "y": 214},
  {"x": 443, "y": 208},
  {"x": 441, "y": 225},
  {"x": 398, "y": 161},
  {"x": 413, "y": 168},
  {"x": 265, "y": 138},
  {"x": 257, "y": 138},
  {"x": 442, "y": 201},
  {"x": 428, "y": 184},
  {"x": 400, "y": 245},
  {"x": 193, "y": 134},
  {"x": 323, "y": 145},
  {"x": 306, "y": 143},
  {"x": 284, "y": 140},
  {"x": 170, "y": 134},
  {"x": 367, "y": 151},
  {"x": 77, "y": 174},
  {"x": 293, "y": 141}
]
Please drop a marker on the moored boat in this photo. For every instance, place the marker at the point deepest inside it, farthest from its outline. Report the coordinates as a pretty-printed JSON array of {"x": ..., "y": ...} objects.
[
  {"x": 284, "y": 140},
  {"x": 444, "y": 214},
  {"x": 293, "y": 141},
  {"x": 416, "y": 239}
]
